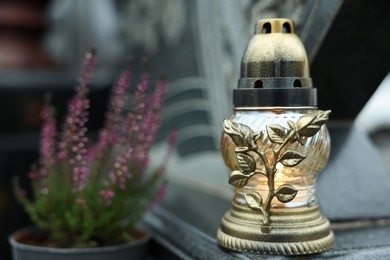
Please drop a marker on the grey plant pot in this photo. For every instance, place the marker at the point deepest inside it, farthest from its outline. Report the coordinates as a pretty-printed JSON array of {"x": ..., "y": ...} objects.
[{"x": 20, "y": 251}]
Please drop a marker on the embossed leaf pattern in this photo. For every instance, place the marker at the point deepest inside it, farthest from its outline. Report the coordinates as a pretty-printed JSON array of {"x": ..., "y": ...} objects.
[
  {"x": 241, "y": 149},
  {"x": 291, "y": 158},
  {"x": 291, "y": 124},
  {"x": 239, "y": 179},
  {"x": 258, "y": 135},
  {"x": 276, "y": 133},
  {"x": 253, "y": 200},
  {"x": 308, "y": 125},
  {"x": 231, "y": 129},
  {"x": 246, "y": 162},
  {"x": 261, "y": 172},
  {"x": 247, "y": 153},
  {"x": 241, "y": 134},
  {"x": 286, "y": 193}
]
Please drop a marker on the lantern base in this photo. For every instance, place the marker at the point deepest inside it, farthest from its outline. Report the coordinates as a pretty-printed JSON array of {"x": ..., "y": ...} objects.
[{"x": 292, "y": 232}]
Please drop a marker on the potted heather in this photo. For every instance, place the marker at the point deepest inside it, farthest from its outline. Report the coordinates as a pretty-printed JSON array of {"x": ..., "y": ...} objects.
[{"x": 87, "y": 198}]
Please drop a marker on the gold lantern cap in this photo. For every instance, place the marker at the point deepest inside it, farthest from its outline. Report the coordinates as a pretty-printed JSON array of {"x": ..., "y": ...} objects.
[{"x": 275, "y": 68}]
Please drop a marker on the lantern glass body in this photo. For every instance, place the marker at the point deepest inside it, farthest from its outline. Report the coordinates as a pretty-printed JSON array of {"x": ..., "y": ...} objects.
[
  {"x": 286, "y": 220},
  {"x": 302, "y": 177}
]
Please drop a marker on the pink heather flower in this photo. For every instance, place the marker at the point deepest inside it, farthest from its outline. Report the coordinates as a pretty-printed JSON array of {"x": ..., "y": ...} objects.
[
  {"x": 87, "y": 70},
  {"x": 148, "y": 125},
  {"x": 73, "y": 141},
  {"x": 172, "y": 139},
  {"x": 117, "y": 101},
  {"x": 131, "y": 126},
  {"x": 91, "y": 153},
  {"x": 140, "y": 95},
  {"x": 81, "y": 202},
  {"x": 107, "y": 195},
  {"x": 48, "y": 139},
  {"x": 151, "y": 122},
  {"x": 47, "y": 147},
  {"x": 159, "y": 95},
  {"x": 79, "y": 176},
  {"x": 78, "y": 151},
  {"x": 77, "y": 108},
  {"x": 161, "y": 193},
  {"x": 109, "y": 134},
  {"x": 121, "y": 172}
]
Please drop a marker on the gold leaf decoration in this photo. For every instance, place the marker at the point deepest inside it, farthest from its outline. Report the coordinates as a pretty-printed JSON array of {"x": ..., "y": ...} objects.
[
  {"x": 258, "y": 135},
  {"x": 246, "y": 162},
  {"x": 276, "y": 133},
  {"x": 261, "y": 172},
  {"x": 241, "y": 134},
  {"x": 253, "y": 200},
  {"x": 286, "y": 193},
  {"x": 241, "y": 149},
  {"x": 291, "y": 124},
  {"x": 308, "y": 125},
  {"x": 239, "y": 179},
  {"x": 232, "y": 130},
  {"x": 291, "y": 158}
]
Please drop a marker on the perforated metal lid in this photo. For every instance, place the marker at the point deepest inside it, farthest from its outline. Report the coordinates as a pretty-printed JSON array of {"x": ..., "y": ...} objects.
[{"x": 274, "y": 68}]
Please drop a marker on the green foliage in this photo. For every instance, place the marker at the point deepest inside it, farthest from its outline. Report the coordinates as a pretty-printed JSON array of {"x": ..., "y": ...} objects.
[{"x": 98, "y": 222}]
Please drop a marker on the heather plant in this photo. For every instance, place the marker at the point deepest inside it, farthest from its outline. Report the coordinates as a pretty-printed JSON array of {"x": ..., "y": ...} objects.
[{"x": 88, "y": 195}]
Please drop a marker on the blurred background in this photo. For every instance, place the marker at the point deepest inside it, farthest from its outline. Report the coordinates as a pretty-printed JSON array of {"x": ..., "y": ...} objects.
[{"x": 198, "y": 46}]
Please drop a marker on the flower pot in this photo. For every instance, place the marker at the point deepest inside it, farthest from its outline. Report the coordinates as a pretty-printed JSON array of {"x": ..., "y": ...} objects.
[{"x": 21, "y": 250}]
